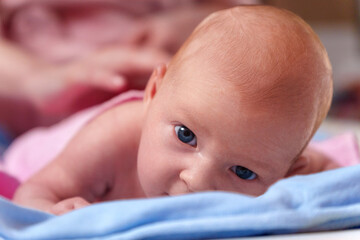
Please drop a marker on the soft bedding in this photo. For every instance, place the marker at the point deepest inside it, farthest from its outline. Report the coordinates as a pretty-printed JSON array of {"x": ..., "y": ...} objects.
[{"x": 325, "y": 201}]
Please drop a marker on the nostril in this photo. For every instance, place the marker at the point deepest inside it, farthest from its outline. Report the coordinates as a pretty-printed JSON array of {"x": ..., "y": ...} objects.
[
  {"x": 194, "y": 183},
  {"x": 185, "y": 178}
]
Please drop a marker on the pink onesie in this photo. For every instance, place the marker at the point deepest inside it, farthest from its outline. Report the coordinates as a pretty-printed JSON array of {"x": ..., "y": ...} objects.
[
  {"x": 33, "y": 150},
  {"x": 30, "y": 152}
]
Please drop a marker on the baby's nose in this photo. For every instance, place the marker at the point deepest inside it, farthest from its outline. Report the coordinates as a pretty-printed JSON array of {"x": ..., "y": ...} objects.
[{"x": 199, "y": 178}]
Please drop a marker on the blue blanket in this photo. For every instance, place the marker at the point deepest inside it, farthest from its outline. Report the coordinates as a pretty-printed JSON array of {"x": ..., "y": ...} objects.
[
  {"x": 324, "y": 201},
  {"x": 5, "y": 140}
]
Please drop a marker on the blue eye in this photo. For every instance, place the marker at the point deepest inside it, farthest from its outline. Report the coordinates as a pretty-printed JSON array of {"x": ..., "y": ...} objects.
[
  {"x": 185, "y": 135},
  {"x": 243, "y": 173}
]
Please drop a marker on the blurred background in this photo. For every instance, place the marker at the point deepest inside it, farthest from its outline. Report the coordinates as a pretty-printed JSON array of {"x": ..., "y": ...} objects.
[{"x": 60, "y": 56}]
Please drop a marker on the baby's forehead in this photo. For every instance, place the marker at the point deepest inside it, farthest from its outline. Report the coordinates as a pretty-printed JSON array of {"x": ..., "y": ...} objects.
[
  {"x": 248, "y": 82},
  {"x": 214, "y": 92}
]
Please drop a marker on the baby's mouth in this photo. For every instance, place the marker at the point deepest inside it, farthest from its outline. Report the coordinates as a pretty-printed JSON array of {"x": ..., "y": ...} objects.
[{"x": 175, "y": 194}]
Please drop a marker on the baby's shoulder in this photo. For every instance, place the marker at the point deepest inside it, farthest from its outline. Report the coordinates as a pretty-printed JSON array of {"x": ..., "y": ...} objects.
[
  {"x": 127, "y": 114},
  {"x": 123, "y": 122},
  {"x": 123, "y": 110}
]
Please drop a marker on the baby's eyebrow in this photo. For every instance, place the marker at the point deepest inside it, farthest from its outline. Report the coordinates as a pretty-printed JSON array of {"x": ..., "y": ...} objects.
[
  {"x": 265, "y": 165},
  {"x": 190, "y": 121}
]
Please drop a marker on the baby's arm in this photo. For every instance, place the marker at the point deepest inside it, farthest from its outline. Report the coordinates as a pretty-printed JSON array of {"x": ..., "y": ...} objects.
[
  {"x": 76, "y": 172},
  {"x": 83, "y": 172}
]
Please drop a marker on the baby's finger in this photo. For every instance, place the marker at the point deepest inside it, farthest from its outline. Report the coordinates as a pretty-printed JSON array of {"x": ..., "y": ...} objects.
[
  {"x": 106, "y": 80},
  {"x": 97, "y": 77},
  {"x": 68, "y": 205}
]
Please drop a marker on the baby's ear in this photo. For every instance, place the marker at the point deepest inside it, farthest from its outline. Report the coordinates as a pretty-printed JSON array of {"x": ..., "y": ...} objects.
[
  {"x": 300, "y": 166},
  {"x": 154, "y": 82}
]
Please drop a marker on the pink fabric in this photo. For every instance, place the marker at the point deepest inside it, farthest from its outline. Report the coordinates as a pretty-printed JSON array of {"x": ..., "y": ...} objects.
[
  {"x": 8, "y": 185},
  {"x": 33, "y": 150},
  {"x": 342, "y": 149}
]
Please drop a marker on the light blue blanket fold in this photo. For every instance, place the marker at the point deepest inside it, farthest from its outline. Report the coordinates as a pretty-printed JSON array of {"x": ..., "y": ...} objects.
[{"x": 324, "y": 201}]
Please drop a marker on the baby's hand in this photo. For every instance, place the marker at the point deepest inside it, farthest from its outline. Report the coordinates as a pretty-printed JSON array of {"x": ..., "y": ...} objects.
[
  {"x": 68, "y": 205},
  {"x": 64, "y": 89}
]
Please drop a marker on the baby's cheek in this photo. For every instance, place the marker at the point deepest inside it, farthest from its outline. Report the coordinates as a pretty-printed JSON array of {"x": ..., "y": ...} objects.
[
  {"x": 257, "y": 191},
  {"x": 147, "y": 173},
  {"x": 255, "y": 188}
]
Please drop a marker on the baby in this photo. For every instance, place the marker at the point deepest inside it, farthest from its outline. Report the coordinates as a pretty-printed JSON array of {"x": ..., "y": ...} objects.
[{"x": 233, "y": 111}]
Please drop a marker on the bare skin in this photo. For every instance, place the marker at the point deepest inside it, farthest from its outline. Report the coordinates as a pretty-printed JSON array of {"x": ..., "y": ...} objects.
[
  {"x": 200, "y": 130},
  {"x": 99, "y": 179}
]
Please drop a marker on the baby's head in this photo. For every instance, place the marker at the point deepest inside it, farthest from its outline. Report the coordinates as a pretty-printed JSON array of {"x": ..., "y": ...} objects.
[{"x": 236, "y": 106}]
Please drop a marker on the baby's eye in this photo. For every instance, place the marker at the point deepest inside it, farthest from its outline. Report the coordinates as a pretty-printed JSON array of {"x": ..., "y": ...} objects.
[
  {"x": 243, "y": 173},
  {"x": 185, "y": 135}
]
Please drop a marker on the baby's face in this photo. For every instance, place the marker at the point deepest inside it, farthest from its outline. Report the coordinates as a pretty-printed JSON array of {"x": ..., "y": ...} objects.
[{"x": 200, "y": 136}]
